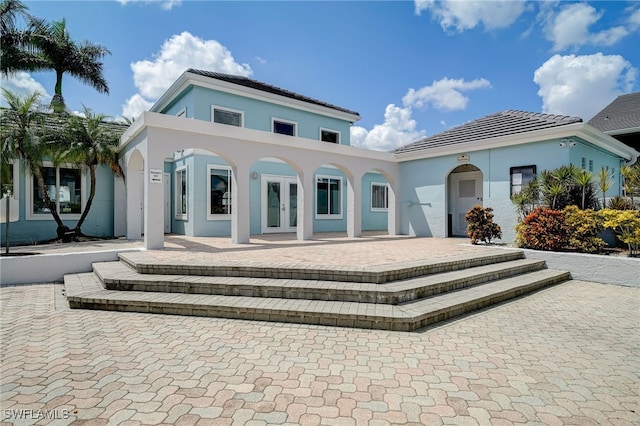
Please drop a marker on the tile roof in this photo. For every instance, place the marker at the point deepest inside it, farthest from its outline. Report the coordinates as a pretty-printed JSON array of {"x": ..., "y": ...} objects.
[
  {"x": 622, "y": 113},
  {"x": 503, "y": 123},
  {"x": 258, "y": 85},
  {"x": 55, "y": 122}
]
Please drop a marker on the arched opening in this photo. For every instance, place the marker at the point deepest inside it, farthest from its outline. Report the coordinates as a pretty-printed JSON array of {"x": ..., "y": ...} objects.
[
  {"x": 134, "y": 195},
  {"x": 464, "y": 190},
  {"x": 378, "y": 202}
]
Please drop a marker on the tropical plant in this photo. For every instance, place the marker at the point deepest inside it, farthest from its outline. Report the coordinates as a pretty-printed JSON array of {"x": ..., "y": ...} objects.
[
  {"x": 528, "y": 198},
  {"x": 626, "y": 225},
  {"x": 480, "y": 225},
  {"x": 21, "y": 134},
  {"x": 543, "y": 229},
  {"x": 620, "y": 203},
  {"x": 605, "y": 182},
  {"x": 584, "y": 228},
  {"x": 583, "y": 179},
  {"x": 88, "y": 143},
  {"x": 63, "y": 55},
  {"x": 631, "y": 180}
]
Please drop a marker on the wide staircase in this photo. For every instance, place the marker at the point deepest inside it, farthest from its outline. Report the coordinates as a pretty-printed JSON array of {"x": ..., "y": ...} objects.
[{"x": 400, "y": 296}]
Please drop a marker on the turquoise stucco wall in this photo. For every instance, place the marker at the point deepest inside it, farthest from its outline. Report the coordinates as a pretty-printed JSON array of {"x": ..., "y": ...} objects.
[
  {"x": 197, "y": 223},
  {"x": 98, "y": 223},
  {"x": 258, "y": 114}
]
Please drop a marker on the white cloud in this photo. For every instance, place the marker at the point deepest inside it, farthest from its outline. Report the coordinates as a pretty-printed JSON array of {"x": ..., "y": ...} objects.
[
  {"x": 570, "y": 28},
  {"x": 582, "y": 85},
  {"x": 21, "y": 83},
  {"x": 182, "y": 51},
  {"x": 445, "y": 94},
  {"x": 634, "y": 19},
  {"x": 134, "y": 106},
  {"x": 164, "y": 4},
  {"x": 398, "y": 129},
  {"x": 460, "y": 15}
]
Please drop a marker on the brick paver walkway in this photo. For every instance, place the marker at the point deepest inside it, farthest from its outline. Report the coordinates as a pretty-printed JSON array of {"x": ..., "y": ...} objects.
[{"x": 566, "y": 355}]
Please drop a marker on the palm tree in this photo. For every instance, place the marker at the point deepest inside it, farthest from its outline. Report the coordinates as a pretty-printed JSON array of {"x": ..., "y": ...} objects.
[
  {"x": 20, "y": 132},
  {"x": 63, "y": 55},
  {"x": 604, "y": 183},
  {"x": 90, "y": 143}
]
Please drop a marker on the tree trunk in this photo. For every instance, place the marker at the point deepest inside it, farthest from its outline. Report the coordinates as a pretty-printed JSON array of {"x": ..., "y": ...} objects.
[
  {"x": 92, "y": 193},
  {"x": 50, "y": 204}
]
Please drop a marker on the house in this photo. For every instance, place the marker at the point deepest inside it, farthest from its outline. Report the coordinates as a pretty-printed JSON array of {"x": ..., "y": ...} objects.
[
  {"x": 223, "y": 155},
  {"x": 621, "y": 119}
]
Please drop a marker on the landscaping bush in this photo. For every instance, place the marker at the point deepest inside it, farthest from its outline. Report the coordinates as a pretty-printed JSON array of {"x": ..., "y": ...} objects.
[
  {"x": 583, "y": 228},
  {"x": 620, "y": 203},
  {"x": 543, "y": 229},
  {"x": 626, "y": 225},
  {"x": 480, "y": 225}
]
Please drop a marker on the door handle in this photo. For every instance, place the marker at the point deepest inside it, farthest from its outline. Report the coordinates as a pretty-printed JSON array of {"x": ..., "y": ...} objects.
[{"x": 282, "y": 208}]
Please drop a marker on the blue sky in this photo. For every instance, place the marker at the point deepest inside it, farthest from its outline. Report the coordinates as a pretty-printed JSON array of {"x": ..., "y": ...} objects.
[{"x": 411, "y": 69}]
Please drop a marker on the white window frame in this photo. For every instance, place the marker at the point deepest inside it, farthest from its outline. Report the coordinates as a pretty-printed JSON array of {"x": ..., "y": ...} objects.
[
  {"x": 16, "y": 179},
  {"x": 225, "y": 109},
  {"x": 324, "y": 129},
  {"x": 282, "y": 120},
  {"x": 219, "y": 216},
  {"x": 182, "y": 113},
  {"x": 386, "y": 197},
  {"x": 328, "y": 215},
  {"x": 178, "y": 192},
  {"x": 28, "y": 187}
]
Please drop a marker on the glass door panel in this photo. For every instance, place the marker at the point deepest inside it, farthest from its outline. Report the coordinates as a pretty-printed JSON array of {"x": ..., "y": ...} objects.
[{"x": 273, "y": 204}]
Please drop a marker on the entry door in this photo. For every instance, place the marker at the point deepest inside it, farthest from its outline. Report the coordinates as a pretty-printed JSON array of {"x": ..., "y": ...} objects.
[
  {"x": 279, "y": 204},
  {"x": 466, "y": 193}
]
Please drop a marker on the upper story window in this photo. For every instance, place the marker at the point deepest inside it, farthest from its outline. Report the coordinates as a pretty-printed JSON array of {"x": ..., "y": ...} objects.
[
  {"x": 284, "y": 127},
  {"x": 330, "y": 136},
  {"x": 65, "y": 187},
  {"x": 520, "y": 177},
  {"x": 228, "y": 116}
]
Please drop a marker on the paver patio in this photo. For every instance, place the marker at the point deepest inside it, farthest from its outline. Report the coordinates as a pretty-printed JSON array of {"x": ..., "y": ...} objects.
[{"x": 569, "y": 354}]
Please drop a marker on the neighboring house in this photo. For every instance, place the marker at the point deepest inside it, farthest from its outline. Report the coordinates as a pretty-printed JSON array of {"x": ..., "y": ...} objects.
[
  {"x": 68, "y": 187},
  {"x": 621, "y": 119},
  {"x": 222, "y": 155}
]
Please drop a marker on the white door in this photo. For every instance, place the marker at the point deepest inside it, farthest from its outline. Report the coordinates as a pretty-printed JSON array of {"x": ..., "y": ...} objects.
[
  {"x": 167, "y": 203},
  {"x": 466, "y": 192},
  {"x": 279, "y": 204}
]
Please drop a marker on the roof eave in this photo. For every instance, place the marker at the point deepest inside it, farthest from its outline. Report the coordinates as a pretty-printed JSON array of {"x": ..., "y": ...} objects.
[
  {"x": 188, "y": 78},
  {"x": 581, "y": 130}
]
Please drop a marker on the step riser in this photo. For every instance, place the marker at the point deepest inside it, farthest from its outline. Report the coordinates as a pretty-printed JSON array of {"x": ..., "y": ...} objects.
[
  {"x": 301, "y": 317},
  {"x": 309, "y": 293},
  {"x": 337, "y": 274}
]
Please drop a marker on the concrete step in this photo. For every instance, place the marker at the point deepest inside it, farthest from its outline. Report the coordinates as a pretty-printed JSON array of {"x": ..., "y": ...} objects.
[
  {"x": 144, "y": 263},
  {"x": 86, "y": 291},
  {"x": 118, "y": 276}
]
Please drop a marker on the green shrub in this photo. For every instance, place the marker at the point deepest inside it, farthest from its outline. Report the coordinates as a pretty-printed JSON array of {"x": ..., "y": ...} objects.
[
  {"x": 543, "y": 229},
  {"x": 626, "y": 225},
  {"x": 480, "y": 225},
  {"x": 620, "y": 203},
  {"x": 583, "y": 227}
]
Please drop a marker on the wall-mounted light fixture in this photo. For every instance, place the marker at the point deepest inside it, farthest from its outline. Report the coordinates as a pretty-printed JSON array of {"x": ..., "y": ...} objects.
[{"x": 254, "y": 175}]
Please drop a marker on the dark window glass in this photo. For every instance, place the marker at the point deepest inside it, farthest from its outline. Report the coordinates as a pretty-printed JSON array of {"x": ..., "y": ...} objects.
[{"x": 284, "y": 128}]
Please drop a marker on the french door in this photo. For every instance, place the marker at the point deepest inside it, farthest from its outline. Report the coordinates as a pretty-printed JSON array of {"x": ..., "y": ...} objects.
[{"x": 279, "y": 204}]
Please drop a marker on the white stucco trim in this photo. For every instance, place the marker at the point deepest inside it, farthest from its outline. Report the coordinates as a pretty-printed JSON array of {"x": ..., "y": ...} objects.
[
  {"x": 284, "y": 121},
  {"x": 580, "y": 130},
  {"x": 623, "y": 131},
  {"x": 187, "y": 79}
]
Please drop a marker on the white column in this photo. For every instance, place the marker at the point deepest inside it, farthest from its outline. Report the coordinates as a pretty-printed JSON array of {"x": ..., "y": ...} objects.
[
  {"x": 392, "y": 211},
  {"x": 134, "y": 201},
  {"x": 240, "y": 205},
  {"x": 354, "y": 206},
  {"x": 154, "y": 201},
  {"x": 306, "y": 185}
]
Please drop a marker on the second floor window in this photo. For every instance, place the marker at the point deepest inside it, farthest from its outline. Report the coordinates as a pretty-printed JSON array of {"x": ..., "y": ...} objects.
[
  {"x": 284, "y": 127},
  {"x": 329, "y": 136},
  {"x": 226, "y": 116}
]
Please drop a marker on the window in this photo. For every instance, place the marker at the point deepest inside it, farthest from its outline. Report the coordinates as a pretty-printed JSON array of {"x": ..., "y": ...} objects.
[
  {"x": 590, "y": 165},
  {"x": 329, "y": 136},
  {"x": 284, "y": 127},
  {"x": 521, "y": 176},
  {"x": 218, "y": 192},
  {"x": 227, "y": 116},
  {"x": 379, "y": 196},
  {"x": 584, "y": 163},
  {"x": 65, "y": 188},
  {"x": 329, "y": 196},
  {"x": 181, "y": 193}
]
